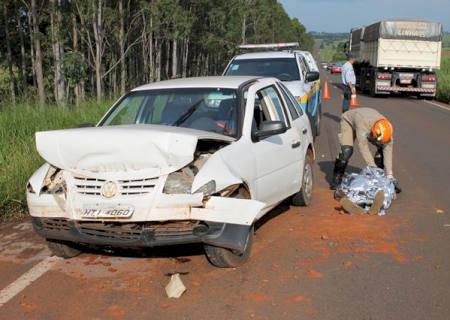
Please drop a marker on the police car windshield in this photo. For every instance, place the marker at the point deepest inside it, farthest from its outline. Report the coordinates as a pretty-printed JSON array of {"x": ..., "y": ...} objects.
[{"x": 284, "y": 69}]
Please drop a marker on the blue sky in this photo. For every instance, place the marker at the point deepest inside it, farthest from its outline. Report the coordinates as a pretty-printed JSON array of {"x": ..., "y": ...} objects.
[{"x": 342, "y": 15}]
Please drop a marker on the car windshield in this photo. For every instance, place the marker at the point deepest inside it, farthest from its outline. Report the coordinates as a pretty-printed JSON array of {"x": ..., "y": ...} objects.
[
  {"x": 284, "y": 69},
  {"x": 208, "y": 109}
]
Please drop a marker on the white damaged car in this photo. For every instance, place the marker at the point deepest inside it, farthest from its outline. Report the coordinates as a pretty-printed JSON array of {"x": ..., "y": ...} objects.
[{"x": 195, "y": 160}]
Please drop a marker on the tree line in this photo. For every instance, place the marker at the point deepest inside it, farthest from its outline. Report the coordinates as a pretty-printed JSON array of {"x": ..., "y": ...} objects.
[{"x": 66, "y": 51}]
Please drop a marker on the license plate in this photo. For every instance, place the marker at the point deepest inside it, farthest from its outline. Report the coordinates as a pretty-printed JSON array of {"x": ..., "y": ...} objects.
[
  {"x": 121, "y": 212},
  {"x": 406, "y": 78}
]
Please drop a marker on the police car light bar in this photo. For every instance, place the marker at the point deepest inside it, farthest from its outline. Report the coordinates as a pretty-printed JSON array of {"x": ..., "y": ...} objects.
[{"x": 270, "y": 46}]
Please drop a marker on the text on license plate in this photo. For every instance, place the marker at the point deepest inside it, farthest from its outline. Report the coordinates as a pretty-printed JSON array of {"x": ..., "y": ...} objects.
[{"x": 107, "y": 213}]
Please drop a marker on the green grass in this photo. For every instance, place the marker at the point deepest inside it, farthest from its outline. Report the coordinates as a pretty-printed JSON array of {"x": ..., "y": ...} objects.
[
  {"x": 18, "y": 156},
  {"x": 443, "y": 89}
]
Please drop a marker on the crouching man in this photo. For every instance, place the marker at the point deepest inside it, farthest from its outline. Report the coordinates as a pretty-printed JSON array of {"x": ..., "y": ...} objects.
[{"x": 366, "y": 125}]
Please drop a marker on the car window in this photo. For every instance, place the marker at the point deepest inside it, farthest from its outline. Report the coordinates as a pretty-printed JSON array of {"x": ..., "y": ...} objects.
[
  {"x": 303, "y": 68},
  {"x": 292, "y": 98},
  {"x": 268, "y": 107},
  {"x": 285, "y": 69},
  {"x": 291, "y": 106},
  {"x": 208, "y": 109}
]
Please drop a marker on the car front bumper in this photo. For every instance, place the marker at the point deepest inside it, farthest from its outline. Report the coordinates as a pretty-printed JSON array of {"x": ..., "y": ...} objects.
[{"x": 140, "y": 235}]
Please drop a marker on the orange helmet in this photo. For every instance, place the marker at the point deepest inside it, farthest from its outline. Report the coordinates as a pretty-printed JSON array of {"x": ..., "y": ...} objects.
[{"x": 382, "y": 131}]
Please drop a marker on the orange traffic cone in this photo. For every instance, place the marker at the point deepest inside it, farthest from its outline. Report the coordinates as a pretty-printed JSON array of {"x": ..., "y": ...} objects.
[
  {"x": 353, "y": 101},
  {"x": 326, "y": 94}
]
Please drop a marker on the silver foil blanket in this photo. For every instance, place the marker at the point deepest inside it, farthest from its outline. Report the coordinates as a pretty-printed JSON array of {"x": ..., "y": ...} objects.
[{"x": 361, "y": 188}]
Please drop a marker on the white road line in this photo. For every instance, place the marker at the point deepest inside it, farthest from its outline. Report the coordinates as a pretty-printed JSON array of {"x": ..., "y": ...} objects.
[
  {"x": 437, "y": 105},
  {"x": 26, "y": 279}
]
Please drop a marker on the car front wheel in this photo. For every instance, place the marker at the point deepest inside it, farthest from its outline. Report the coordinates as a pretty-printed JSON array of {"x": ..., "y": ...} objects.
[
  {"x": 304, "y": 196},
  {"x": 226, "y": 258}
]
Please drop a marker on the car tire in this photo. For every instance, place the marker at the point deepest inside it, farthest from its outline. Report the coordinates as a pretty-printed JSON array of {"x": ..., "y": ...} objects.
[
  {"x": 304, "y": 196},
  {"x": 62, "y": 249},
  {"x": 226, "y": 258},
  {"x": 318, "y": 121}
]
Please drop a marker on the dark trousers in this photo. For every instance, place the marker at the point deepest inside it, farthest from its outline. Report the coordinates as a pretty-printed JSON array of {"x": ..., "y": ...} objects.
[{"x": 346, "y": 101}]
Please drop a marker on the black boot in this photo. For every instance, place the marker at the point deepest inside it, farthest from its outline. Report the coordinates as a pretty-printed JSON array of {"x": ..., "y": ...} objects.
[
  {"x": 338, "y": 173},
  {"x": 379, "y": 159}
]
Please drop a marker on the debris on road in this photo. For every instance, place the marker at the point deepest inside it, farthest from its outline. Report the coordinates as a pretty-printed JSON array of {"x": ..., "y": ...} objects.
[
  {"x": 439, "y": 211},
  {"x": 175, "y": 288}
]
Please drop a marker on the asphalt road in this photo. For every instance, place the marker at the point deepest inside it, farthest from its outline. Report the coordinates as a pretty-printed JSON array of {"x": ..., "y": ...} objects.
[{"x": 307, "y": 263}]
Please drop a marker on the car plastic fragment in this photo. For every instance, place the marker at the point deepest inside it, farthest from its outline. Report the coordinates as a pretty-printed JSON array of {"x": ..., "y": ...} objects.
[{"x": 361, "y": 188}]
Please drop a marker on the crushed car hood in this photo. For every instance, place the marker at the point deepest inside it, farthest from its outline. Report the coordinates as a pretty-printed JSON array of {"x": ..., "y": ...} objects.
[{"x": 149, "y": 150}]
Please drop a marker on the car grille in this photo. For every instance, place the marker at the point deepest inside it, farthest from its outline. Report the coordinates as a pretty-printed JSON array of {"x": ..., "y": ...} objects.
[
  {"x": 93, "y": 186},
  {"x": 55, "y": 224}
]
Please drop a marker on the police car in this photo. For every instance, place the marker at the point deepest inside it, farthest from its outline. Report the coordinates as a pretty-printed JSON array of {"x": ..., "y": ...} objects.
[{"x": 296, "y": 69}]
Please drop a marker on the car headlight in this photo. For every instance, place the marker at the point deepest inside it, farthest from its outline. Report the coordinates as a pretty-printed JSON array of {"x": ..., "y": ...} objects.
[
  {"x": 207, "y": 189},
  {"x": 30, "y": 188}
]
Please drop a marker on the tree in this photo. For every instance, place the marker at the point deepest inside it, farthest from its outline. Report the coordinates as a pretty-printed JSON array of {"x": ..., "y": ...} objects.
[
  {"x": 37, "y": 52},
  {"x": 79, "y": 49}
]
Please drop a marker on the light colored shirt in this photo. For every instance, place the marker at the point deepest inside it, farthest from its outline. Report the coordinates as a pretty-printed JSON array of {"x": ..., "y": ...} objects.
[
  {"x": 348, "y": 74},
  {"x": 360, "y": 121}
]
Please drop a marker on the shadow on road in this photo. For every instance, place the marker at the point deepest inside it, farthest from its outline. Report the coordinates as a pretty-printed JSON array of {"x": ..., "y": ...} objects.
[
  {"x": 327, "y": 168},
  {"x": 332, "y": 117},
  {"x": 280, "y": 209},
  {"x": 180, "y": 253}
]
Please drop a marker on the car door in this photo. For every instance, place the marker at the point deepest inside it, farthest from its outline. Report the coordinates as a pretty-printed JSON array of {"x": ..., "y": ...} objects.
[
  {"x": 300, "y": 121},
  {"x": 277, "y": 158},
  {"x": 308, "y": 86}
]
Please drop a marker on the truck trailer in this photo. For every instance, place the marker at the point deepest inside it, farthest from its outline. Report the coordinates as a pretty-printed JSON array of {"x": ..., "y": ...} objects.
[{"x": 397, "y": 56}]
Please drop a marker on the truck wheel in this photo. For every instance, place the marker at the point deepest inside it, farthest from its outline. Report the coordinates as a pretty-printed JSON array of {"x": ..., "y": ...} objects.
[
  {"x": 304, "y": 196},
  {"x": 226, "y": 258},
  {"x": 62, "y": 249}
]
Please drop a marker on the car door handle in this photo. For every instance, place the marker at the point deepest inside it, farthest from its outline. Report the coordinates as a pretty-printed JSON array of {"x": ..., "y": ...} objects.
[
  {"x": 305, "y": 131},
  {"x": 295, "y": 144}
]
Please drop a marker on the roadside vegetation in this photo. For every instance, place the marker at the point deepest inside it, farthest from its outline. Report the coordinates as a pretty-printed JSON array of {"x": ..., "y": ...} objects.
[
  {"x": 18, "y": 156},
  {"x": 443, "y": 92},
  {"x": 332, "y": 46}
]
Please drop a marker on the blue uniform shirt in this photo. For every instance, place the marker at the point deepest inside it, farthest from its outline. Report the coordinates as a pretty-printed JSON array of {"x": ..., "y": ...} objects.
[{"x": 348, "y": 74}]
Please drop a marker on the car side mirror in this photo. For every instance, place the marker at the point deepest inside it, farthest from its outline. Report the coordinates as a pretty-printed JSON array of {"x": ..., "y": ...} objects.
[
  {"x": 269, "y": 128},
  {"x": 312, "y": 76},
  {"x": 86, "y": 125}
]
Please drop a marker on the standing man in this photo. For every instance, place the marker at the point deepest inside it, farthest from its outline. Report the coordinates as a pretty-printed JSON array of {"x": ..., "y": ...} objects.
[
  {"x": 366, "y": 125},
  {"x": 349, "y": 81}
]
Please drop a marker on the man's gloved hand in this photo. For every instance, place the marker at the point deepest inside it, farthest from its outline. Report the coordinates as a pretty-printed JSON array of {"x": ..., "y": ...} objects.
[{"x": 397, "y": 187}]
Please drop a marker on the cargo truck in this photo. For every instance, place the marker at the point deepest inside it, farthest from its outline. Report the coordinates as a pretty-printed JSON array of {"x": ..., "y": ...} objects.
[{"x": 397, "y": 56}]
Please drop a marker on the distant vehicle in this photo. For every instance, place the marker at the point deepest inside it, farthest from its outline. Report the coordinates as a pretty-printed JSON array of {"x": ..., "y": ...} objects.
[
  {"x": 196, "y": 160},
  {"x": 397, "y": 56},
  {"x": 296, "y": 69},
  {"x": 324, "y": 65},
  {"x": 336, "y": 68}
]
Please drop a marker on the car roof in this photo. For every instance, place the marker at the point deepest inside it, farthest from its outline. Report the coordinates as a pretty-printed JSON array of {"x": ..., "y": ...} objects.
[
  {"x": 265, "y": 55},
  {"x": 229, "y": 82}
]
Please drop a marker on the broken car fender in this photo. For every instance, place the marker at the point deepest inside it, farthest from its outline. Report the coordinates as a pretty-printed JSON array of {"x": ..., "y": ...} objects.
[
  {"x": 215, "y": 169},
  {"x": 229, "y": 210}
]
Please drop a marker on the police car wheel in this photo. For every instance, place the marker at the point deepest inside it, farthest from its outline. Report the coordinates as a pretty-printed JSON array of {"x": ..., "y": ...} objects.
[{"x": 304, "y": 196}]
